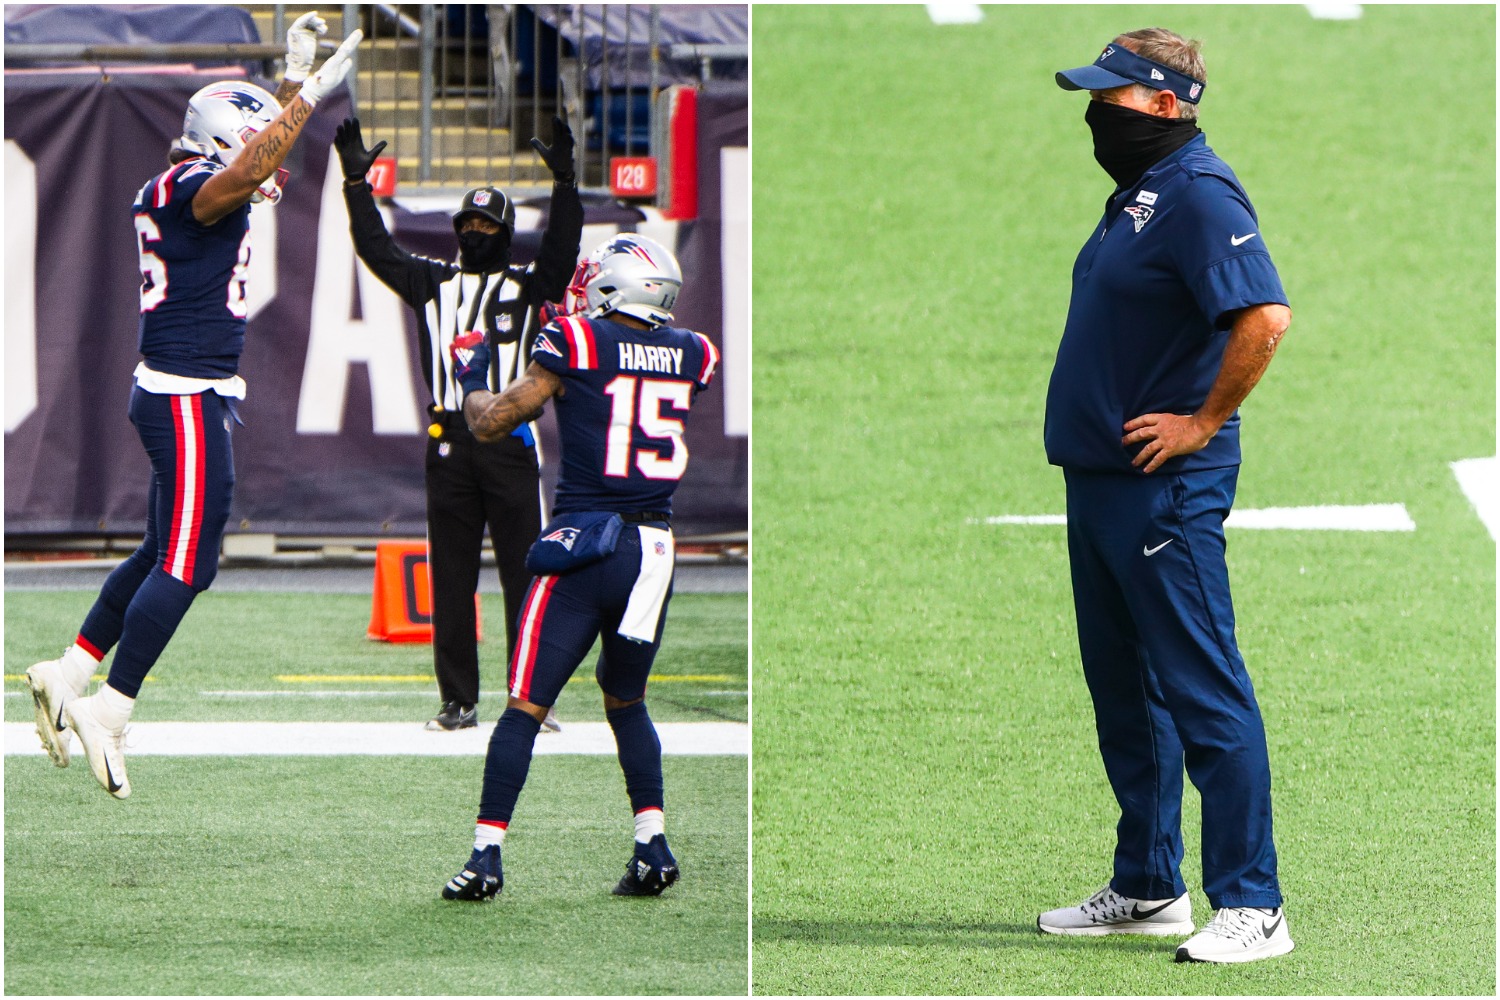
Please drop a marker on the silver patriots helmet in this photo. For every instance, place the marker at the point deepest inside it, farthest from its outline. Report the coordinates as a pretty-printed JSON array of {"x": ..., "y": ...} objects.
[
  {"x": 221, "y": 118},
  {"x": 630, "y": 274}
]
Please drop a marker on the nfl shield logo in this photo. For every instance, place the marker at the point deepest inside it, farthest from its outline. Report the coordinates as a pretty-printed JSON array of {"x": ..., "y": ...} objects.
[
  {"x": 481, "y": 198},
  {"x": 1194, "y": 90},
  {"x": 661, "y": 548}
]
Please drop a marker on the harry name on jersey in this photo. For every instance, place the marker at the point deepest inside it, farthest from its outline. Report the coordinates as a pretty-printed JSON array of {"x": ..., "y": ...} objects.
[{"x": 644, "y": 357}]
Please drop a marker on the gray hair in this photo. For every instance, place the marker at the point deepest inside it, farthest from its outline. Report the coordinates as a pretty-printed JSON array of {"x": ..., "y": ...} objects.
[{"x": 1171, "y": 50}]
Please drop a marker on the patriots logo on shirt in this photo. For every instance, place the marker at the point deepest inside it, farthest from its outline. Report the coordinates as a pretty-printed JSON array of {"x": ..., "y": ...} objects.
[
  {"x": 543, "y": 344},
  {"x": 563, "y": 536},
  {"x": 1141, "y": 214}
]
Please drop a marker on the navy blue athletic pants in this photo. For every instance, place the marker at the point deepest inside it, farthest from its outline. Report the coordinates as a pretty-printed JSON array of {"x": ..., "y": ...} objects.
[
  {"x": 142, "y": 602},
  {"x": 1156, "y": 633}
]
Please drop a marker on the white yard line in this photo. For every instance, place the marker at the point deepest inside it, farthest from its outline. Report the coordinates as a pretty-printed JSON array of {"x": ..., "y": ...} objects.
[
  {"x": 1479, "y": 478},
  {"x": 1361, "y": 517},
  {"x": 404, "y": 739},
  {"x": 955, "y": 13}
]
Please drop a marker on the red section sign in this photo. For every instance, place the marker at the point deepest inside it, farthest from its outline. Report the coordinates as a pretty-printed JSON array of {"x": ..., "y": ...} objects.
[
  {"x": 632, "y": 176},
  {"x": 382, "y": 176}
]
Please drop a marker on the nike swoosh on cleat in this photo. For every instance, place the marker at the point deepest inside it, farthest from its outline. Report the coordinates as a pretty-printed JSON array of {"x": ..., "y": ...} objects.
[
  {"x": 1136, "y": 913},
  {"x": 113, "y": 786},
  {"x": 1268, "y": 931},
  {"x": 60, "y": 725}
]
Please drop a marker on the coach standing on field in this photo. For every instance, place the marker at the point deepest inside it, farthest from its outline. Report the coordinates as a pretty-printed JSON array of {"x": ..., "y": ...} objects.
[
  {"x": 471, "y": 483},
  {"x": 1175, "y": 313}
]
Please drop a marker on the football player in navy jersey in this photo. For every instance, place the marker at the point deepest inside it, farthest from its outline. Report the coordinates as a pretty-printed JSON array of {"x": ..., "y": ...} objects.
[
  {"x": 624, "y": 383},
  {"x": 193, "y": 226}
]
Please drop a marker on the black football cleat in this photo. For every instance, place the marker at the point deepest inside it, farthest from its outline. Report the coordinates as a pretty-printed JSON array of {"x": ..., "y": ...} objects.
[
  {"x": 455, "y": 715},
  {"x": 651, "y": 870},
  {"x": 481, "y": 878}
]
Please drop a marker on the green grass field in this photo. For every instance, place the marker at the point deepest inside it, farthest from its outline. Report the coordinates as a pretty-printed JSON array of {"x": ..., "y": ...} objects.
[
  {"x": 320, "y": 875},
  {"x": 926, "y": 776}
]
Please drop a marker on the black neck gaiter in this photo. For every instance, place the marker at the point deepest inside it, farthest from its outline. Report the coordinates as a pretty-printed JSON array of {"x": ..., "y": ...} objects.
[
  {"x": 483, "y": 252},
  {"x": 1128, "y": 142}
]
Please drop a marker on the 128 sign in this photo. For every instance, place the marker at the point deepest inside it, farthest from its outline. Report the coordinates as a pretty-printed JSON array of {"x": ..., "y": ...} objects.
[{"x": 632, "y": 176}]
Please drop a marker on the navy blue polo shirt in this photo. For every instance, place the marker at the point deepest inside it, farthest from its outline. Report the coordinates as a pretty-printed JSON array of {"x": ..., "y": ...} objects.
[{"x": 1155, "y": 291}]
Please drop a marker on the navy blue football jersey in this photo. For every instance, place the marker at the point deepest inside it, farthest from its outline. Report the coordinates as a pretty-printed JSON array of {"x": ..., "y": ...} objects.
[
  {"x": 192, "y": 276},
  {"x": 621, "y": 418}
]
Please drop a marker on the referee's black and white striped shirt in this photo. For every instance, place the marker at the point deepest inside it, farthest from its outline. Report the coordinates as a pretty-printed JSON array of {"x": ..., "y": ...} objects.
[{"x": 447, "y": 301}]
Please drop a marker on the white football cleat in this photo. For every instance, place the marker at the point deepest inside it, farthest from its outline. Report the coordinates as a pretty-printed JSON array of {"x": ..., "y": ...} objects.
[
  {"x": 104, "y": 746},
  {"x": 550, "y": 723},
  {"x": 1108, "y": 912},
  {"x": 49, "y": 693},
  {"x": 1239, "y": 934}
]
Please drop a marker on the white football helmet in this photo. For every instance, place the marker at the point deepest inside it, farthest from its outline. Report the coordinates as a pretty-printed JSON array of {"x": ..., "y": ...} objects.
[
  {"x": 629, "y": 274},
  {"x": 220, "y": 120}
]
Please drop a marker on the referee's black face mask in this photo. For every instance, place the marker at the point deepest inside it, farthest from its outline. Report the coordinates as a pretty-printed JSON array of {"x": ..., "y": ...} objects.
[
  {"x": 1128, "y": 142},
  {"x": 483, "y": 252}
]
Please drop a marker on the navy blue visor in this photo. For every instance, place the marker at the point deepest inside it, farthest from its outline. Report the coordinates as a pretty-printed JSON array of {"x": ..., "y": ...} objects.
[{"x": 1117, "y": 66}]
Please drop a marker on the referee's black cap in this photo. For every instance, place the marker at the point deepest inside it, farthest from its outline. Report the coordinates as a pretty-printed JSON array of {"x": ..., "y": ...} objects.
[{"x": 493, "y": 204}]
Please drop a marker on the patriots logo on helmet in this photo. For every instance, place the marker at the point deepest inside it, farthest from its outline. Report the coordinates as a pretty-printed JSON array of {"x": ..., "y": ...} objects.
[
  {"x": 631, "y": 247},
  {"x": 245, "y": 102},
  {"x": 543, "y": 344},
  {"x": 1141, "y": 214},
  {"x": 563, "y": 536}
]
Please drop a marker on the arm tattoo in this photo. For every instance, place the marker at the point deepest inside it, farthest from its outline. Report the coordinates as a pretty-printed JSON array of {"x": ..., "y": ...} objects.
[
  {"x": 491, "y": 416},
  {"x": 267, "y": 154},
  {"x": 287, "y": 91}
]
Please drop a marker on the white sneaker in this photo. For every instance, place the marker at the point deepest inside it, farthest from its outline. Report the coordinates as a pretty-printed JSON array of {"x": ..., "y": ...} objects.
[
  {"x": 1108, "y": 912},
  {"x": 1239, "y": 934},
  {"x": 550, "y": 723},
  {"x": 49, "y": 693},
  {"x": 104, "y": 746}
]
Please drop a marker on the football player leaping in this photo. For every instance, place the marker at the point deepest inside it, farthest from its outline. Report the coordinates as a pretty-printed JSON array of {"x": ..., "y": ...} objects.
[
  {"x": 193, "y": 227},
  {"x": 624, "y": 382}
]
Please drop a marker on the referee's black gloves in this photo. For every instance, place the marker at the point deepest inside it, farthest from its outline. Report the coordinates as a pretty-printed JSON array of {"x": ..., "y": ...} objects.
[
  {"x": 559, "y": 155},
  {"x": 353, "y": 156}
]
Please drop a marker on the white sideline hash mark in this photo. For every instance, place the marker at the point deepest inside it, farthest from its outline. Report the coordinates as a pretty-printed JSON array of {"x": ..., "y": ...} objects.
[
  {"x": 1364, "y": 517},
  {"x": 395, "y": 739},
  {"x": 1479, "y": 478},
  {"x": 955, "y": 13},
  {"x": 1335, "y": 11}
]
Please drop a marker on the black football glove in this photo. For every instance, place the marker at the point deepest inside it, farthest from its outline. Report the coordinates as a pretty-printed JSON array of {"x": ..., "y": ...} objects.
[
  {"x": 559, "y": 155},
  {"x": 353, "y": 156}
]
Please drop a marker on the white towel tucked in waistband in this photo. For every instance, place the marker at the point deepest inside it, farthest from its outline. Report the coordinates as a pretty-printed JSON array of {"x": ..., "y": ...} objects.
[{"x": 658, "y": 557}]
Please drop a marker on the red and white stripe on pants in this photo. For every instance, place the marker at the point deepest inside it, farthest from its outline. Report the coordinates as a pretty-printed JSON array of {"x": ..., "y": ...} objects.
[
  {"x": 523, "y": 664},
  {"x": 187, "y": 493}
]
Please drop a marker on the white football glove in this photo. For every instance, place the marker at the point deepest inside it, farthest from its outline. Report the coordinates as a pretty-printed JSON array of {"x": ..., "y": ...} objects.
[
  {"x": 302, "y": 46},
  {"x": 332, "y": 72}
]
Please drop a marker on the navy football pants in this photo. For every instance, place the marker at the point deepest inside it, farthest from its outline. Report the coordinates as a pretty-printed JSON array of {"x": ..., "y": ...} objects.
[
  {"x": 187, "y": 439},
  {"x": 1156, "y": 633},
  {"x": 563, "y": 615}
]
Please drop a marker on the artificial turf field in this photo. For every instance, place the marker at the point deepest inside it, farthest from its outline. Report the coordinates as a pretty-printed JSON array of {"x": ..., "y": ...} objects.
[
  {"x": 926, "y": 774},
  {"x": 320, "y": 875}
]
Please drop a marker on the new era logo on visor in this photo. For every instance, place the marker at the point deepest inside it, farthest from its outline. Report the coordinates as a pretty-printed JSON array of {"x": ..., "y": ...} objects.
[{"x": 1156, "y": 74}]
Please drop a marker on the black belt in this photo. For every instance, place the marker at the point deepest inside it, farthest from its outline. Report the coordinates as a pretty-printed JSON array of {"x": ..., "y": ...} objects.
[{"x": 642, "y": 516}]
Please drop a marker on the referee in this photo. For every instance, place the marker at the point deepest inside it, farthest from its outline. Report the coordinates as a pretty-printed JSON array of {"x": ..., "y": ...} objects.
[
  {"x": 1175, "y": 313},
  {"x": 471, "y": 484}
]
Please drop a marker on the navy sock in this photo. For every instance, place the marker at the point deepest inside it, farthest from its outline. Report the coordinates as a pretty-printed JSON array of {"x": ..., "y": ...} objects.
[
  {"x": 640, "y": 755},
  {"x": 506, "y": 764},
  {"x": 152, "y": 618},
  {"x": 106, "y": 619}
]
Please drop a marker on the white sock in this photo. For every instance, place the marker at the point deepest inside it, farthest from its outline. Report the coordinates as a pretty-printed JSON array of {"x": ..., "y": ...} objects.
[
  {"x": 487, "y": 832},
  {"x": 112, "y": 708},
  {"x": 78, "y": 668},
  {"x": 648, "y": 823}
]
